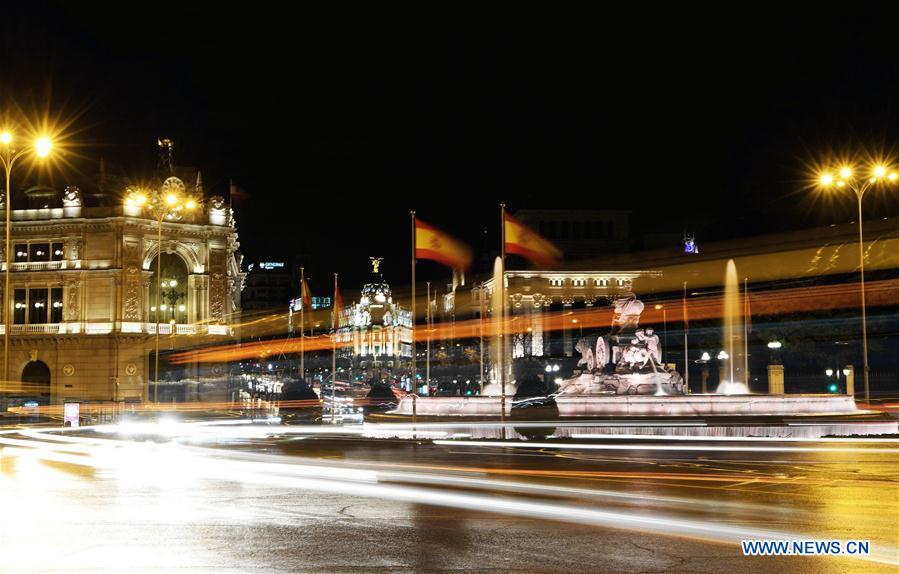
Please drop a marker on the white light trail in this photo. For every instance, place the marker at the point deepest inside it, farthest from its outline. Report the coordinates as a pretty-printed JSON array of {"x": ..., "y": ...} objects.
[
  {"x": 662, "y": 447},
  {"x": 141, "y": 462},
  {"x": 734, "y": 438}
]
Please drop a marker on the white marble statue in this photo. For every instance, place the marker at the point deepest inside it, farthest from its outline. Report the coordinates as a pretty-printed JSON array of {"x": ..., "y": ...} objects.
[
  {"x": 648, "y": 339},
  {"x": 601, "y": 355},
  {"x": 653, "y": 345},
  {"x": 635, "y": 355},
  {"x": 627, "y": 313},
  {"x": 587, "y": 356}
]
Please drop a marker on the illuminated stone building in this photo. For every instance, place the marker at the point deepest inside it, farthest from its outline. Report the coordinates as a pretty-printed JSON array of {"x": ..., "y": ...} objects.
[
  {"x": 530, "y": 297},
  {"x": 376, "y": 333},
  {"x": 530, "y": 294},
  {"x": 83, "y": 291}
]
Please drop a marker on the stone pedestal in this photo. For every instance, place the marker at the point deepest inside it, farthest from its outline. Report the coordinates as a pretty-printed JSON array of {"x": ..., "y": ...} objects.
[
  {"x": 776, "y": 380},
  {"x": 850, "y": 380}
]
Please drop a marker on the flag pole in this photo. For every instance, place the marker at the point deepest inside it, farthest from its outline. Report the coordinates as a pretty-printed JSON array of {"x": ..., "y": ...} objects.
[
  {"x": 334, "y": 354},
  {"x": 746, "y": 330},
  {"x": 413, "y": 384},
  {"x": 302, "y": 325},
  {"x": 686, "y": 347},
  {"x": 428, "y": 324},
  {"x": 502, "y": 310}
]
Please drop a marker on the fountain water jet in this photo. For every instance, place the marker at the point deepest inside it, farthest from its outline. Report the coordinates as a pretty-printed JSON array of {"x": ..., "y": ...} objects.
[
  {"x": 733, "y": 338},
  {"x": 499, "y": 354}
]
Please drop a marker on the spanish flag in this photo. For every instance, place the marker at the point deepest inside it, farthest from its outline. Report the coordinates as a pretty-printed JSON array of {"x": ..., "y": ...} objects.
[
  {"x": 431, "y": 243},
  {"x": 521, "y": 240},
  {"x": 305, "y": 294}
]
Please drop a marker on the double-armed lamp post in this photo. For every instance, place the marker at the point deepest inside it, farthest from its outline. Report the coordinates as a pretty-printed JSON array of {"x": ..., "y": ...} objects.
[
  {"x": 163, "y": 205},
  {"x": 9, "y": 153},
  {"x": 847, "y": 178}
]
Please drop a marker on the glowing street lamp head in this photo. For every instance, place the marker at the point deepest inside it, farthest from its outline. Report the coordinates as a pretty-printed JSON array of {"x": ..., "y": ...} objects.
[
  {"x": 845, "y": 172},
  {"x": 893, "y": 176},
  {"x": 171, "y": 199},
  {"x": 5, "y": 138},
  {"x": 141, "y": 199},
  {"x": 190, "y": 204},
  {"x": 826, "y": 179},
  {"x": 879, "y": 171},
  {"x": 42, "y": 146}
]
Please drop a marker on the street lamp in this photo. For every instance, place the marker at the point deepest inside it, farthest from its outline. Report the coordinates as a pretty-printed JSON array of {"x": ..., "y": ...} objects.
[
  {"x": 859, "y": 185},
  {"x": 163, "y": 204},
  {"x": 41, "y": 147}
]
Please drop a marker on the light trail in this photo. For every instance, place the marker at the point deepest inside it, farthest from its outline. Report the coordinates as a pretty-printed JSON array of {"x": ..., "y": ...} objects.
[
  {"x": 148, "y": 461},
  {"x": 772, "y": 302},
  {"x": 734, "y": 438},
  {"x": 658, "y": 447}
]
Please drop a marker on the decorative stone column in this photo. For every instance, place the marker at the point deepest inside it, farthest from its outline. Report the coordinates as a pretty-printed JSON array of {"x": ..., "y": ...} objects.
[
  {"x": 197, "y": 298},
  {"x": 132, "y": 302}
]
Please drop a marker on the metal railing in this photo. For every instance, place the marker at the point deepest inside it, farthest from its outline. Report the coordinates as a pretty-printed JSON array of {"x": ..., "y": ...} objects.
[{"x": 43, "y": 265}]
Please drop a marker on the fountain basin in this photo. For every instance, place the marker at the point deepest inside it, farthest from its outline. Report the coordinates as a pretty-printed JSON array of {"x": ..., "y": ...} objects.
[
  {"x": 453, "y": 406},
  {"x": 643, "y": 405},
  {"x": 704, "y": 405}
]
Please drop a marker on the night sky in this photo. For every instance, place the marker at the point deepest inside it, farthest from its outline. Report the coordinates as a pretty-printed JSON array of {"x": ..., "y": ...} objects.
[{"x": 336, "y": 125}]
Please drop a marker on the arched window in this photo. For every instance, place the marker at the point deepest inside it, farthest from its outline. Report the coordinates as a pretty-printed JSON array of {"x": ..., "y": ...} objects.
[{"x": 173, "y": 290}]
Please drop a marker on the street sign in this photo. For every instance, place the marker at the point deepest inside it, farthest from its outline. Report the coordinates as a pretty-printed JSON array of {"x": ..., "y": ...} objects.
[{"x": 71, "y": 414}]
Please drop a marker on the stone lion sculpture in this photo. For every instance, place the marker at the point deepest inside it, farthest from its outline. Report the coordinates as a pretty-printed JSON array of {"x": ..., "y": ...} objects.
[{"x": 588, "y": 358}]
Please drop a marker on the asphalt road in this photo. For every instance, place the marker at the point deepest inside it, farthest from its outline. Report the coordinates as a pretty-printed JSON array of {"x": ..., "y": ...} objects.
[{"x": 270, "y": 499}]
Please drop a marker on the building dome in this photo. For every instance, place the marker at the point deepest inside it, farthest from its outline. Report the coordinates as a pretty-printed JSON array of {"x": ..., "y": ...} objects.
[{"x": 377, "y": 290}]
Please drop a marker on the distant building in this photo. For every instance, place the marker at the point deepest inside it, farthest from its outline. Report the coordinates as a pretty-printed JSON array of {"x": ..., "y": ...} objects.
[
  {"x": 375, "y": 334},
  {"x": 581, "y": 233},
  {"x": 269, "y": 285},
  {"x": 313, "y": 320}
]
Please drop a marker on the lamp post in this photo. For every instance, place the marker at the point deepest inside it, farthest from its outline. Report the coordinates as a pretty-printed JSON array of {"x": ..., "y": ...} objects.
[
  {"x": 163, "y": 205},
  {"x": 41, "y": 147},
  {"x": 846, "y": 179}
]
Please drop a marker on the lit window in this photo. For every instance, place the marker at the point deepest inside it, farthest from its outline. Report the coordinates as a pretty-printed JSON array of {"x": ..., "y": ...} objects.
[
  {"x": 39, "y": 252},
  {"x": 56, "y": 305}
]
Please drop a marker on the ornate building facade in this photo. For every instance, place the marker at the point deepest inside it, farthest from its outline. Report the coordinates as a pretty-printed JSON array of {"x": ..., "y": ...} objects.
[
  {"x": 376, "y": 333},
  {"x": 82, "y": 304}
]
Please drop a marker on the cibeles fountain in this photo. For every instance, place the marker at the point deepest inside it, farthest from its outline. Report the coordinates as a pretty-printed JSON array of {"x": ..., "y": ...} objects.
[
  {"x": 621, "y": 373},
  {"x": 627, "y": 361}
]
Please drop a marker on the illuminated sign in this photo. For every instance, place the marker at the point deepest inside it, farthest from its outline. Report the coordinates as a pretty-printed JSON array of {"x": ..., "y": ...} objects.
[
  {"x": 71, "y": 414},
  {"x": 690, "y": 245},
  {"x": 267, "y": 265},
  {"x": 317, "y": 303}
]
